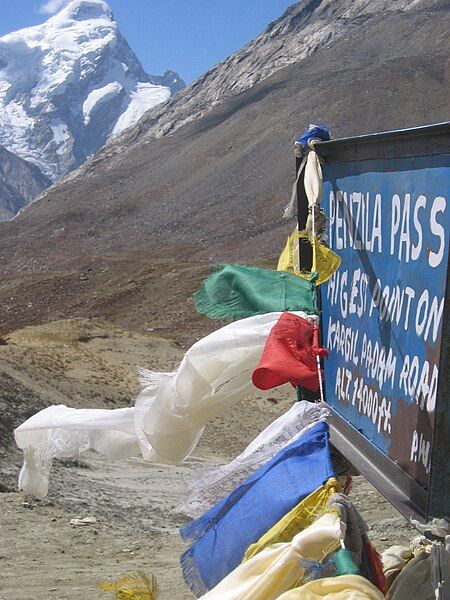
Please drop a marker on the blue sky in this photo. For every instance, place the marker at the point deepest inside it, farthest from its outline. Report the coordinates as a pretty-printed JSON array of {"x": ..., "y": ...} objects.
[{"x": 189, "y": 36}]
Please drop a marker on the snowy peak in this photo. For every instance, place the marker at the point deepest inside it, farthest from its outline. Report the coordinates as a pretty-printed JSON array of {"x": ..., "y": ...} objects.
[
  {"x": 82, "y": 10},
  {"x": 71, "y": 84}
]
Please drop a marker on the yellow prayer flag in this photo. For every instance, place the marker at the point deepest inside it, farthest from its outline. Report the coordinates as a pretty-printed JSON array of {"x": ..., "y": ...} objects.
[
  {"x": 325, "y": 261},
  {"x": 298, "y": 519}
]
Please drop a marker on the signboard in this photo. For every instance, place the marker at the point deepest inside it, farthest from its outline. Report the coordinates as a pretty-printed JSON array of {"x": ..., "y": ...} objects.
[{"x": 387, "y": 201}]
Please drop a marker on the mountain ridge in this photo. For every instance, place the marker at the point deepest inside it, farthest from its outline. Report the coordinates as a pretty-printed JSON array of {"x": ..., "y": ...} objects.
[
  {"x": 165, "y": 119},
  {"x": 341, "y": 17},
  {"x": 70, "y": 84},
  {"x": 214, "y": 189},
  {"x": 20, "y": 183}
]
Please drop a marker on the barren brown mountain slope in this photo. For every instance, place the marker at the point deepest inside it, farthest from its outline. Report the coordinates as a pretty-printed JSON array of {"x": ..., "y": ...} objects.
[
  {"x": 134, "y": 292},
  {"x": 222, "y": 179},
  {"x": 105, "y": 240}
]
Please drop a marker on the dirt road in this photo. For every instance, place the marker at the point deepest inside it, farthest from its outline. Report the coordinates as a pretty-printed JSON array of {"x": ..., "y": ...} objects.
[{"x": 91, "y": 363}]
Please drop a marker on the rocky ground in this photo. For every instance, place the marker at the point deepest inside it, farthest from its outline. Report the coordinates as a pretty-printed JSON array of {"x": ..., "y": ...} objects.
[{"x": 89, "y": 362}]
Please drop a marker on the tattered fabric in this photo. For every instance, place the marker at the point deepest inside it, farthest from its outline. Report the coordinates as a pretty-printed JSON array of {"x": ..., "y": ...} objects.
[
  {"x": 63, "y": 432},
  {"x": 440, "y": 571},
  {"x": 362, "y": 552},
  {"x": 278, "y": 568},
  {"x": 414, "y": 580},
  {"x": 169, "y": 415},
  {"x": 134, "y": 586},
  {"x": 223, "y": 534},
  {"x": 237, "y": 291},
  {"x": 214, "y": 375},
  {"x": 298, "y": 519},
  {"x": 208, "y": 485},
  {"x": 394, "y": 559},
  {"x": 344, "y": 587},
  {"x": 288, "y": 356}
]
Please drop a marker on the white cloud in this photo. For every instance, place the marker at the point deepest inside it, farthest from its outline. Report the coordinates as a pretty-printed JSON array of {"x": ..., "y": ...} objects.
[{"x": 53, "y": 6}]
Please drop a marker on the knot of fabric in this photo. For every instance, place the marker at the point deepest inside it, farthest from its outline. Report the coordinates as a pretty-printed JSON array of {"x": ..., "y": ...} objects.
[
  {"x": 317, "y": 570},
  {"x": 315, "y": 133}
]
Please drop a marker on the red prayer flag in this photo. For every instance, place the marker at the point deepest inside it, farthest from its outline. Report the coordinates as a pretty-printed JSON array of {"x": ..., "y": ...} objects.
[{"x": 289, "y": 355}]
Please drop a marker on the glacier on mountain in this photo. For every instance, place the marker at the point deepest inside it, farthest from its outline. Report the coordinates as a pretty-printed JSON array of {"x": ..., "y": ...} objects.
[{"x": 69, "y": 85}]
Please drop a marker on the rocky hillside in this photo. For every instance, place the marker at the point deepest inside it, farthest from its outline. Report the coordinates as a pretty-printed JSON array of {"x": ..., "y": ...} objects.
[
  {"x": 20, "y": 183},
  {"x": 306, "y": 27},
  {"x": 71, "y": 84},
  {"x": 206, "y": 175}
]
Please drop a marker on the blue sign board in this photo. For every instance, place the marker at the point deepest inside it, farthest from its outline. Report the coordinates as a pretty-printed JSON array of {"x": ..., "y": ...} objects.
[{"x": 383, "y": 310}]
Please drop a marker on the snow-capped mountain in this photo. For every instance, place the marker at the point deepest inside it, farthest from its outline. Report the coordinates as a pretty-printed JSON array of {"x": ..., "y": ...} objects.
[
  {"x": 20, "y": 183},
  {"x": 69, "y": 85}
]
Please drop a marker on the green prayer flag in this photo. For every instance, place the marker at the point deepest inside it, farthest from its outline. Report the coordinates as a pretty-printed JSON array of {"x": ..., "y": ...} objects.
[{"x": 238, "y": 291}]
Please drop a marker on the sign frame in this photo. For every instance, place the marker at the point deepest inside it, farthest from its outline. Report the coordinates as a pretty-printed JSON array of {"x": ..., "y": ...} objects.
[{"x": 405, "y": 493}]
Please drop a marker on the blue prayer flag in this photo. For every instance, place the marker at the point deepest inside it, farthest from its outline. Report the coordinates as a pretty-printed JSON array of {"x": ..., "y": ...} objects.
[{"x": 223, "y": 534}]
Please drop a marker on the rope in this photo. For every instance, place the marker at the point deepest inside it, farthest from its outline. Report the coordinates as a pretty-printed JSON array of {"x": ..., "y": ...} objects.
[{"x": 319, "y": 372}]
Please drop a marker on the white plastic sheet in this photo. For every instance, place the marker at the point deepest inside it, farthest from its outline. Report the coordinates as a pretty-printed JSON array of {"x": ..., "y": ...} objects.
[{"x": 170, "y": 413}]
